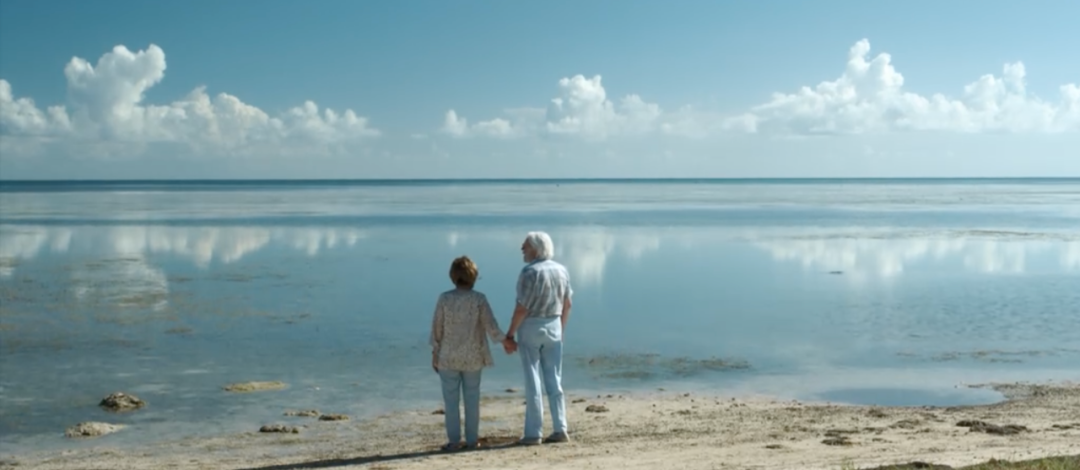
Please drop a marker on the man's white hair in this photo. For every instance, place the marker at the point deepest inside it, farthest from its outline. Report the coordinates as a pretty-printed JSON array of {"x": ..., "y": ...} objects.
[{"x": 541, "y": 242}]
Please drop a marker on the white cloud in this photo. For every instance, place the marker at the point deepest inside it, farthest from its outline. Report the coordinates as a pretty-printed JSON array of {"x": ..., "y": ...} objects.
[
  {"x": 869, "y": 97},
  {"x": 459, "y": 127},
  {"x": 581, "y": 109},
  {"x": 106, "y": 105}
]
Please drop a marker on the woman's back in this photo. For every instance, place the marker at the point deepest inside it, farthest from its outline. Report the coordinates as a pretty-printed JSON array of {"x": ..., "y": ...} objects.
[{"x": 462, "y": 318}]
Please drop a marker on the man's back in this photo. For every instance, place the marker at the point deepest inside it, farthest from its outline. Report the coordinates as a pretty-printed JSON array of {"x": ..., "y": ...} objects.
[{"x": 542, "y": 287}]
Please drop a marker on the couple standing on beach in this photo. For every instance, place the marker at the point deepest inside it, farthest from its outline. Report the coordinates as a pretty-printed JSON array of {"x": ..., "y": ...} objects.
[{"x": 463, "y": 319}]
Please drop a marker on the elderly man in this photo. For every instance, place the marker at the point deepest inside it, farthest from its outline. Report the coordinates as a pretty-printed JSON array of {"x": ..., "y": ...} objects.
[{"x": 543, "y": 306}]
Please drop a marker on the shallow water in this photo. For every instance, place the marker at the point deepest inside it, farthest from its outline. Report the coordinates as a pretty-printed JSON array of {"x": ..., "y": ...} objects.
[{"x": 873, "y": 292}]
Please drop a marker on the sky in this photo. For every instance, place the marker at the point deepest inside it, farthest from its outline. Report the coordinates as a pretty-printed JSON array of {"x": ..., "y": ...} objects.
[{"x": 119, "y": 89}]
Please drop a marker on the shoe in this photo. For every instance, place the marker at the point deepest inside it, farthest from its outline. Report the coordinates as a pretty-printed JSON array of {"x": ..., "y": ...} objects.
[
  {"x": 529, "y": 441},
  {"x": 556, "y": 438},
  {"x": 451, "y": 447}
]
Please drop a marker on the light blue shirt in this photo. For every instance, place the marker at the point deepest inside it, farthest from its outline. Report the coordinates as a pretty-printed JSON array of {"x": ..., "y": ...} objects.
[{"x": 541, "y": 288}]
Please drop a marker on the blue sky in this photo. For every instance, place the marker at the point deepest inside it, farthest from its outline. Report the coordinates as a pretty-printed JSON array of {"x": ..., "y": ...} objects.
[{"x": 688, "y": 88}]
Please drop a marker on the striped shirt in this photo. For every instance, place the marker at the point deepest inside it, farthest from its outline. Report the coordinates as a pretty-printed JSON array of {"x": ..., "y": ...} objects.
[{"x": 541, "y": 288}]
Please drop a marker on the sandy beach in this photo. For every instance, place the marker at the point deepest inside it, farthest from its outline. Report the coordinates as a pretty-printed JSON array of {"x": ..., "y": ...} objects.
[{"x": 664, "y": 429}]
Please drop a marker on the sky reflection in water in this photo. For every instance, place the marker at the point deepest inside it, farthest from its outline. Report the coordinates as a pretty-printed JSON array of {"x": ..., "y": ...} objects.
[{"x": 173, "y": 311}]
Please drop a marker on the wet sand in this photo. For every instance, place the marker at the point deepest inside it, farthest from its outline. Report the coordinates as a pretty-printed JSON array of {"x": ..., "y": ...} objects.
[{"x": 643, "y": 431}]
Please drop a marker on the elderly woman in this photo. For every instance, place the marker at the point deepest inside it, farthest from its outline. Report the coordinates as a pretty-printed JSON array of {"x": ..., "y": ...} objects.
[
  {"x": 460, "y": 350},
  {"x": 543, "y": 306}
]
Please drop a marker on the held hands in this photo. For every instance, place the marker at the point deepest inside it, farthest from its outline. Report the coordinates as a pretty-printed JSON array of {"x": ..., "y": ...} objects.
[{"x": 509, "y": 345}]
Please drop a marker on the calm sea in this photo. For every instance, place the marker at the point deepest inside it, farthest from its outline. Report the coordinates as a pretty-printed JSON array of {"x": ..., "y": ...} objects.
[{"x": 893, "y": 292}]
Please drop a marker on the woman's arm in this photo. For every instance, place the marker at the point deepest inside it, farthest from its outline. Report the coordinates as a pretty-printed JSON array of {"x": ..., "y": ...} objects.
[
  {"x": 487, "y": 319},
  {"x": 436, "y": 334}
]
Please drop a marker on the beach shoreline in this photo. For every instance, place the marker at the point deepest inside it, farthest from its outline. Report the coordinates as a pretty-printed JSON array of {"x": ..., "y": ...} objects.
[{"x": 659, "y": 429}]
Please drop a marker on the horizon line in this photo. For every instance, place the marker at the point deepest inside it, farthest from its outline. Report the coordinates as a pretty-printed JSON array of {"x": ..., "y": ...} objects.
[{"x": 520, "y": 179}]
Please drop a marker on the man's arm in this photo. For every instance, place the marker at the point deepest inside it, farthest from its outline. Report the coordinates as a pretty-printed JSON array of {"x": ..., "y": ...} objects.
[
  {"x": 566, "y": 305},
  {"x": 524, "y": 291},
  {"x": 519, "y": 316}
]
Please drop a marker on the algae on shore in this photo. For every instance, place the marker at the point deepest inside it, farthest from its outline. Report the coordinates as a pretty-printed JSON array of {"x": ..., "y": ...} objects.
[{"x": 246, "y": 387}]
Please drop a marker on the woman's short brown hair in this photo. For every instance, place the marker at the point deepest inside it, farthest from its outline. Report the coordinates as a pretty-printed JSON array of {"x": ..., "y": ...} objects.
[{"x": 463, "y": 272}]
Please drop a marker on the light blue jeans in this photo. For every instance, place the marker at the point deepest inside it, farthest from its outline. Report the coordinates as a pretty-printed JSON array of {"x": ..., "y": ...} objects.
[
  {"x": 453, "y": 382},
  {"x": 540, "y": 346}
]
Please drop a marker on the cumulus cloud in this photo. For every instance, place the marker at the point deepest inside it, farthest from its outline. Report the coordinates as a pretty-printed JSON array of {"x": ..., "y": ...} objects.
[
  {"x": 581, "y": 109},
  {"x": 459, "y": 127},
  {"x": 869, "y": 97},
  {"x": 106, "y": 104}
]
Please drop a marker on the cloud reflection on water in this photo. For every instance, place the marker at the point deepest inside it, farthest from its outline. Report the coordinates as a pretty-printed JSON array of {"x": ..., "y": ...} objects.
[
  {"x": 862, "y": 259},
  {"x": 860, "y": 254},
  {"x": 121, "y": 270},
  {"x": 200, "y": 245},
  {"x": 585, "y": 251}
]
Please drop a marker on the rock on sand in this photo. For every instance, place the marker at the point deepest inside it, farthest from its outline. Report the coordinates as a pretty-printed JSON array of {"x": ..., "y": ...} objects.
[
  {"x": 280, "y": 428},
  {"x": 92, "y": 429},
  {"x": 333, "y": 417},
  {"x": 121, "y": 401}
]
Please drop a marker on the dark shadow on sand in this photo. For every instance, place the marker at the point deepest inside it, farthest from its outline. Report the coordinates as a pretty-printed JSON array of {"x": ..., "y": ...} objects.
[{"x": 486, "y": 444}]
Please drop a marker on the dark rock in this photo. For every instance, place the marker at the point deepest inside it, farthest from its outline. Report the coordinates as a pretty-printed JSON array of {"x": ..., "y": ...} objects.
[
  {"x": 303, "y": 413},
  {"x": 438, "y": 412},
  {"x": 578, "y": 400},
  {"x": 907, "y": 466},
  {"x": 876, "y": 413},
  {"x": 840, "y": 432},
  {"x": 596, "y": 409},
  {"x": 837, "y": 441},
  {"x": 511, "y": 390},
  {"x": 774, "y": 446},
  {"x": 982, "y": 426},
  {"x": 333, "y": 417},
  {"x": 121, "y": 401},
  {"x": 280, "y": 428},
  {"x": 906, "y": 424}
]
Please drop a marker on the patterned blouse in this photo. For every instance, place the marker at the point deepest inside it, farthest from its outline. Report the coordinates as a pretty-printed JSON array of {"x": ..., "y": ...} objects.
[{"x": 462, "y": 317}]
